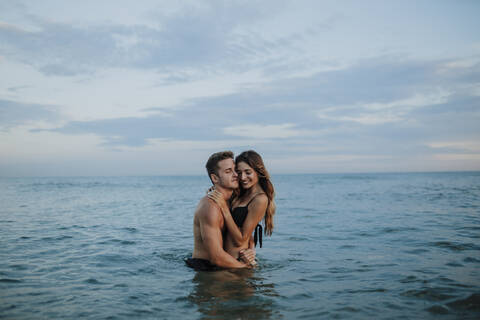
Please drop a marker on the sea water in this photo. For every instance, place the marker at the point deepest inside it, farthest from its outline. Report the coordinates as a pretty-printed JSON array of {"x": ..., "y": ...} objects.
[{"x": 345, "y": 246}]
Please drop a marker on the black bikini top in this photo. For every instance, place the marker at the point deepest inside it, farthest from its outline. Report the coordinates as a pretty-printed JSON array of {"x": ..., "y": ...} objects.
[{"x": 239, "y": 214}]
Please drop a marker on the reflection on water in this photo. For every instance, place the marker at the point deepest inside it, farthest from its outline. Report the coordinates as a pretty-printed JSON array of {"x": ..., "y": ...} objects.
[{"x": 232, "y": 294}]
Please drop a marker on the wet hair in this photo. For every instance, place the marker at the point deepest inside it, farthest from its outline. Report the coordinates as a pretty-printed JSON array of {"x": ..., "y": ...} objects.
[
  {"x": 212, "y": 163},
  {"x": 255, "y": 161}
]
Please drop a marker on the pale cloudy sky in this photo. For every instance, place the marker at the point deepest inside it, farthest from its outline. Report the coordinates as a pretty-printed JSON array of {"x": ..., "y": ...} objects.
[{"x": 155, "y": 87}]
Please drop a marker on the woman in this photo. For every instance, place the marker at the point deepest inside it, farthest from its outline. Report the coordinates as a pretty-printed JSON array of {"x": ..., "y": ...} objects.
[{"x": 253, "y": 202}]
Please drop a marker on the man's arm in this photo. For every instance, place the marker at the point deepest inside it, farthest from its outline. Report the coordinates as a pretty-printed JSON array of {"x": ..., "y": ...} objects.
[{"x": 213, "y": 241}]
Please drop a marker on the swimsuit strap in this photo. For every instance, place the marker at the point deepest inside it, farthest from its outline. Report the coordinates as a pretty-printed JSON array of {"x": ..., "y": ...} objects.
[
  {"x": 254, "y": 198},
  {"x": 248, "y": 203},
  {"x": 258, "y": 235}
]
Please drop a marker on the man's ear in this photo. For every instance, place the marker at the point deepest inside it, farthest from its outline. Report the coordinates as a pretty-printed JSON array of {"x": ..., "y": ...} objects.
[{"x": 214, "y": 178}]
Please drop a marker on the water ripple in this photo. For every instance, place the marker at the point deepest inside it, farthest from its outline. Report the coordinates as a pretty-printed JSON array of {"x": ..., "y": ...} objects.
[
  {"x": 387, "y": 246},
  {"x": 455, "y": 246}
]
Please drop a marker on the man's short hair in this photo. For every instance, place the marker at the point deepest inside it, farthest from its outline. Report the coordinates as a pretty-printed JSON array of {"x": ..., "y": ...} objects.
[{"x": 212, "y": 163}]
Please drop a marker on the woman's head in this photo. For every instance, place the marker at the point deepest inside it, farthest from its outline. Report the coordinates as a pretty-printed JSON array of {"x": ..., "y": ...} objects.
[{"x": 252, "y": 171}]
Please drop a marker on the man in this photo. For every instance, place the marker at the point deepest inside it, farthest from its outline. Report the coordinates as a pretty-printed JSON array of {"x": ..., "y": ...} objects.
[{"x": 208, "y": 221}]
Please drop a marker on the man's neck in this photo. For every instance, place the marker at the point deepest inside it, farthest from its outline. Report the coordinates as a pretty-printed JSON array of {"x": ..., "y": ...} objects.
[{"x": 227, "y": 193}]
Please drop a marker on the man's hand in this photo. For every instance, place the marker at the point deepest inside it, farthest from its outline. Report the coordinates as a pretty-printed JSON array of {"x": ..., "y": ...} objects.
[{"x": 248, "y": 257}]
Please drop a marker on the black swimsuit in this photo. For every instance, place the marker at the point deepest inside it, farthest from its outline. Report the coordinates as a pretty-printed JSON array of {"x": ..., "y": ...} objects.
[
  {"x": 239, "y": 214},
  {"x": 201, "y": 264}
]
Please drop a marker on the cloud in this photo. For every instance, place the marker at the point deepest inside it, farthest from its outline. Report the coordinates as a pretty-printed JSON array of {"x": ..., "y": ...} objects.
[
  {"x": 365, "y": 119},
  {"x": 456, "y": 146},
  {"x": 257, "y": 131},
  {"x": 198, "y": 39},
  {"x": 461, "y": 63},
  {"x": 417, "y": 100},
  {"x": 456, "y": 157},
  {"x": 410, "y": 107},
  {"x": 18, "y": 88},
  {"x": 60, "y": 49},
  {"x": 201, "y": 37},
  {"x": 9, "y": 27},
  {"x": 14, "y": 114},
  {"x": 386, "y": 112}
]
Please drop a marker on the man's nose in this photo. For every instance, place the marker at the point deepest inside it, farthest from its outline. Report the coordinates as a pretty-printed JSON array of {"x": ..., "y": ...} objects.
[{"x": 235, "y": 174}]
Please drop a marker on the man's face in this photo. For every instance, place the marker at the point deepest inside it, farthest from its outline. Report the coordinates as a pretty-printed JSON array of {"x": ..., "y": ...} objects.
[{"x": 227, "y": 177}]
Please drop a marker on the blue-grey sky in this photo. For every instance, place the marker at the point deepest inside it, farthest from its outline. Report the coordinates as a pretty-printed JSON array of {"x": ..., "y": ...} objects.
[{"x": 155, "y": 87}]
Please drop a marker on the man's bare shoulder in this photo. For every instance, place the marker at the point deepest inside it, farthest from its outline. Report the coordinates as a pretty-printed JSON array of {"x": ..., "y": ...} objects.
[{"x": 207, "y": 210}]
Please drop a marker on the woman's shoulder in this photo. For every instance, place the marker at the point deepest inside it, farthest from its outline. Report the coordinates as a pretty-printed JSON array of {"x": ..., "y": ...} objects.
[{"x": 259, "y": 198}]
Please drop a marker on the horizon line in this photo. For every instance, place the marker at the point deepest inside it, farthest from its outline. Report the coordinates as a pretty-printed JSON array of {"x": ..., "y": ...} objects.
[{"x": 272, "y": 174}]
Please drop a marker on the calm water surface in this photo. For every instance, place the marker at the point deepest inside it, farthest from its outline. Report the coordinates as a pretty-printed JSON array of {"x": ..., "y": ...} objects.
[{"x": 351, "y": 246}]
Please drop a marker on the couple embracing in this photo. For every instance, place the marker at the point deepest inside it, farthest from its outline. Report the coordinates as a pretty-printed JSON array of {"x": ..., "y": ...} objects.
[{"x": 225, "y": 219}]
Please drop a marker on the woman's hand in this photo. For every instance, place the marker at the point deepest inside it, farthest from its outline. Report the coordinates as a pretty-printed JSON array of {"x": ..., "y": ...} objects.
[
  {"x": 248, "y": 257},
  {"x": 219, "y": 200},
  {"x": 210, "y": 189}
]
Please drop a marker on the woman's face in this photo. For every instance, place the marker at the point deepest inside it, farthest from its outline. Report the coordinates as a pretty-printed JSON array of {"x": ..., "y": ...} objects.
[{"x": 247, "y": 176}]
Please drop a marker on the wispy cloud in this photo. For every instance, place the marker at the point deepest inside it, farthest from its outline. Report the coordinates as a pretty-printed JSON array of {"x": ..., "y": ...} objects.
[
  {"x": 420, "y": 106},
  {"x": 258, "y": 131},
  {"x": 209, "y": 38},
  {"x": 456, "y": 146},
  {"x": 13, "y": 114},
  {"x": 386, "y": 112}
]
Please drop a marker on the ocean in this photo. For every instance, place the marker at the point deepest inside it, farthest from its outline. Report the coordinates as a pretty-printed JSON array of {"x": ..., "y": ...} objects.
[{"x": 345, "y": 246}]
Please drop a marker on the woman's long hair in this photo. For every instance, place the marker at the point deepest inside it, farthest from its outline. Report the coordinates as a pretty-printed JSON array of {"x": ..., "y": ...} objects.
[{"x": 255, "y": 161}]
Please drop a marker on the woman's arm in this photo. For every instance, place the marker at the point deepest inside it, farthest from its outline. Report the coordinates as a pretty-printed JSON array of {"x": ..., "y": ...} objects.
[
  {"x": 235, "y": 232},
  {"x": 256, "y": 211}
]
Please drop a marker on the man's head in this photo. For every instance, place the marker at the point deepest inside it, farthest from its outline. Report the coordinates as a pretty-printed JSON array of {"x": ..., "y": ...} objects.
[{"x": 221, "y": 170}]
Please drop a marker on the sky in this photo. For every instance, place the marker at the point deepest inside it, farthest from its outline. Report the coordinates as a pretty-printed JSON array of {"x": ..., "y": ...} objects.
[{"x": 155, "y": 87}]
